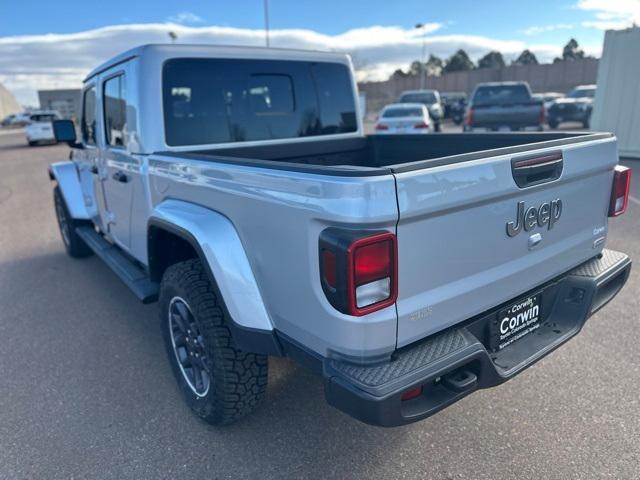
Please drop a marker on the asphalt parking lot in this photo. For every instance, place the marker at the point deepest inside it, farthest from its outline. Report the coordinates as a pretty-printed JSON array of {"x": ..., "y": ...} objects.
[{"x": 86, "y": 390}]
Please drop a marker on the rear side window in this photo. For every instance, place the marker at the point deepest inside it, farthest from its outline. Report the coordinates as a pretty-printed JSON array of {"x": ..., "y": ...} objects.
[
  {"x": 501, "y": 94},
  {"x": 115, "y": 111},
  {"x": 88, "y": 125},
  {"x": 209, "y": 101}
]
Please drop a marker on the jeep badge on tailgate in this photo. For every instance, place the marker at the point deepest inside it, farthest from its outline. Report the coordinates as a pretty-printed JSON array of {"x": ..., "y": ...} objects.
[{"x": 547, "y": 214}]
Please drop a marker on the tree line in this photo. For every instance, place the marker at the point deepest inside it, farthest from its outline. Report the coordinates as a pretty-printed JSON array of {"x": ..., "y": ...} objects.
[{"x": 461, "y": 62}]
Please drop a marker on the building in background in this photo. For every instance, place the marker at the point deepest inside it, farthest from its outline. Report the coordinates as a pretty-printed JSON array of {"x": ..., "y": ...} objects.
[
  {"x": 66, "y": 102},
  {"x": 616, "y": 107},
  {"x": 8, "y": 103}
]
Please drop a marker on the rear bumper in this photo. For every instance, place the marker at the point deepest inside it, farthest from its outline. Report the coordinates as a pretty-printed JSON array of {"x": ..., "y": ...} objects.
[
  {"x": 568, "y": 115},
  {"x": 494, "y": 127},
  {"x": 451, "y": 364}
]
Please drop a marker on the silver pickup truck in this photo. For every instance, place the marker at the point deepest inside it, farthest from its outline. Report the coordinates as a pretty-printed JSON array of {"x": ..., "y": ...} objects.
[{"x": 235, "y": 187}]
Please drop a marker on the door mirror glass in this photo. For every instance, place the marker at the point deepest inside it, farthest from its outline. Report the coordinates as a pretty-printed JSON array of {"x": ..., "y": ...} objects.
[{"x": 65, "y": 131}]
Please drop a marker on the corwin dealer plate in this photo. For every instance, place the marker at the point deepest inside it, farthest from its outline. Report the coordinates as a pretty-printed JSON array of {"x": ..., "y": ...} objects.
[{"x": 516, "y": 321}]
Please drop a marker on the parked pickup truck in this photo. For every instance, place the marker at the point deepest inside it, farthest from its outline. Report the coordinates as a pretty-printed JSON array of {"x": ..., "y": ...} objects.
[
  {"x": 235, "y": 187},
  {"x": 504, "y": 106}
]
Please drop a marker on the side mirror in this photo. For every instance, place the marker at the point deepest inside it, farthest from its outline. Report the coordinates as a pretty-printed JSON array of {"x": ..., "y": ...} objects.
[{"x": 65, "y": 131}]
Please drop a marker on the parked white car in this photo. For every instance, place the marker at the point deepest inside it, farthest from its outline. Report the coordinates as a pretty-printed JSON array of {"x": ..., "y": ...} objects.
[
  {"x": 40, "y": 128},
  {"x": 404, "y": 118}
]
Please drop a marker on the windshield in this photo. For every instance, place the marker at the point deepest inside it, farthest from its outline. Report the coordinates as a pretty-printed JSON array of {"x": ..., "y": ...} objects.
[
  {"x": 43, "y": 118},
  {"x": 402, "y": 112},
  {"x": 209, "y": 101},
  {"x": 583, "y": 93},
  {"x": 501, "y": 94},
  {"x": 423, "y": 97}
]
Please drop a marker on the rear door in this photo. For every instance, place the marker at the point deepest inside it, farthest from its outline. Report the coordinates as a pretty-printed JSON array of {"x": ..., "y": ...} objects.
[
  {"x": 119, "y": 167},
  {"x": 458, "y": 257}
]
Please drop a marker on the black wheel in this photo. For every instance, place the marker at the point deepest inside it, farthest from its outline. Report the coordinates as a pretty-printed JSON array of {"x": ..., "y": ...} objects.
[
  {"x": 74, "y": 245},
  {"x": 553, "y": 124},
  {"x": 436, "y": 127},
  {"x": 220, "y": 382},
  {"x": 32, "y": 143},
  {"x": 585, "y": 123}
]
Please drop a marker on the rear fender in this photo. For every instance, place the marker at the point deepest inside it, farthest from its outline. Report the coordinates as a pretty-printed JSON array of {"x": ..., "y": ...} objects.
[
  {"x": 66, "y": 175},
  {"x": 218, "y": 245}
]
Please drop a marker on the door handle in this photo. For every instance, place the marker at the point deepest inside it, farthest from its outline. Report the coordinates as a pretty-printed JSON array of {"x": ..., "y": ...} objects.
[{"x": 120, "y": 176}]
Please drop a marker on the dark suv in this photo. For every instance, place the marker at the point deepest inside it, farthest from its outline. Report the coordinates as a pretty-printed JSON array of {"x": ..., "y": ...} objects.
[{"x": 575, "y": 107}]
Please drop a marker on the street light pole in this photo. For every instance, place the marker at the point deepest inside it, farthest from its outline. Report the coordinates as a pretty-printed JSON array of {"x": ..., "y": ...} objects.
[
  {"x": 266, "y": 21},
  {"x": 422, "y": 65}
]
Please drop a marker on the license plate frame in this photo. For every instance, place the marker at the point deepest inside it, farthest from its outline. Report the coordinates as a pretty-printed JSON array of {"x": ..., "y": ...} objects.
[{"x": 516, "y": 321}]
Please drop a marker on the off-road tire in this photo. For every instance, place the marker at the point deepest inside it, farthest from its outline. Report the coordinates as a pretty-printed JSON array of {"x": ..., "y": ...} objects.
[
  {"x": 73, "y": 244},
  {"x": 238, "y": 379}
]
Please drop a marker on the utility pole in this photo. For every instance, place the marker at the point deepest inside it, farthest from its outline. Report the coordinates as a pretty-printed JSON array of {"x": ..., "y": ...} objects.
[
  {"x": 422, "y": 60},
  {"x": 266, "y": 21}
]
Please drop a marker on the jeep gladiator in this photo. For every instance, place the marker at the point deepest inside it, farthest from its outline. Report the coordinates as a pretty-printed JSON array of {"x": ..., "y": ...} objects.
[{"x": 235, "y": 187}]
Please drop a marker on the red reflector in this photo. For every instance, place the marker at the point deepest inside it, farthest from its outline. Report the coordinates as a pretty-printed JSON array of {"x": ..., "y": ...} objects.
[
  {"x": 329, "y": 267},
  {"x": 421, "y": 125},
  {"x": 620, "y": 191},
  {"x": 381, "y": 126},
  {"x": 373, "y": 262},
  {"x": 411, "y": 394}
]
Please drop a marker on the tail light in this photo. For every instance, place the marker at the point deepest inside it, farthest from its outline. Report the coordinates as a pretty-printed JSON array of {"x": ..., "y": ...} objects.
[
  {"x": 381, "y": 126},
  {"x": 620, "y": 191},
  {"x": 421, "y": 125},
  {"x": 542, "y": 114},
  {"x": 469, "y": 117},
  {"x": 358, "y": 270}
]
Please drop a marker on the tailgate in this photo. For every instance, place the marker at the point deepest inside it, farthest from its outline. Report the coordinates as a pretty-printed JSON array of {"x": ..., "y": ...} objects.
[
  {"x": 506, "y": 114},
  {"x": 455, "y": 256}
]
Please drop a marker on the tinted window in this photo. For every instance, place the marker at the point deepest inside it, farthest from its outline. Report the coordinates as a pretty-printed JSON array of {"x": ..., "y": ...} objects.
[
  {"x": 402, "y": 112},
  {"x": 501, "y": 94},
  {"x": 43, "y": 118},
  {"x": 335, "y": 94},
  {"x": 270, "y": 94},
  {"x": 424, "y": 97},
  {"x": 217, "y": 101},
  {"x": 88, "y": 126},
  {"x": 583, "y": 93},
  {"x": 115, "y": 111}
]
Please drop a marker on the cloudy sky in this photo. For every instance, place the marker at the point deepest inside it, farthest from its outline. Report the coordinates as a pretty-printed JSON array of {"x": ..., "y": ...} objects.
[{"x": 54, "y": 44}]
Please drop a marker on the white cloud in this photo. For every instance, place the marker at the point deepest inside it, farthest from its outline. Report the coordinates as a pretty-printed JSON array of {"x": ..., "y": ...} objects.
[
  {"x": 538, "y": 29},
  {"x": 611, "y": 14},
  {"x": 32, "y": 62},
  {"x": 185, "y": 18}
]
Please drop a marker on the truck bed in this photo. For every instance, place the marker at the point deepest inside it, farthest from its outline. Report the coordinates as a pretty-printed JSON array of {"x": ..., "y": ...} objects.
[{"x": 382, "y": 154}]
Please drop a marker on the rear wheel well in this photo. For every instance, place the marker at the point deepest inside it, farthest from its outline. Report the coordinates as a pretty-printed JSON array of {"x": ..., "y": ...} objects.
[{"x": 166, "y": 248}]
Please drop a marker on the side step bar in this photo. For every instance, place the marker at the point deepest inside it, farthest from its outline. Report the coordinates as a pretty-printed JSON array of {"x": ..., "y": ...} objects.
[{"x": 126, "y": 269}]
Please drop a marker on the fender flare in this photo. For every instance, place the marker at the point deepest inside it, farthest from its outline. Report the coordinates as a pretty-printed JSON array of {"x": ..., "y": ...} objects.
[
  {"x": 216, "y": 241},
  {"x": 66, "y": 175}
]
